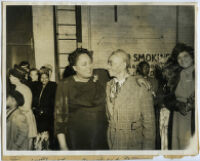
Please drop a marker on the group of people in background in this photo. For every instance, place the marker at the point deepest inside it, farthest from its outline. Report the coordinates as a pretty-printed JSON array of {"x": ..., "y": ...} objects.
[
  {"x": 38, "y": 95},
  {"x": 99, "y": 109}
]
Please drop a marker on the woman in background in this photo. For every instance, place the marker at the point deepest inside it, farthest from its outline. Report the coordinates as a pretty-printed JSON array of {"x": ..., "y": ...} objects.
[
  {"x": 17, "y": 76},
  {"x": 181, "y": 100},
  {"x": 35, "y": 86},
  {"x": 45, "y": 110}
]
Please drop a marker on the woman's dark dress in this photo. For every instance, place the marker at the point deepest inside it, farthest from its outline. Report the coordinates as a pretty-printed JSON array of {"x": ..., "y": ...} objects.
[
  {"x": 44, "y": 112},
  {"x": 80, "y": 114}
]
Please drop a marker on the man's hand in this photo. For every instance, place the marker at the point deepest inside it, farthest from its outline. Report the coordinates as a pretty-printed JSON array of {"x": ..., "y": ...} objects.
[
  {"x": 143, "y": 82},
  {"x": 62, "y": 141}
]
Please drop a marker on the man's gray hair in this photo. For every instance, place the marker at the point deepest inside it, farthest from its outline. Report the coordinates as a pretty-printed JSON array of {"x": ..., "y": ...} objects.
[{"x": 126, "y": 57}]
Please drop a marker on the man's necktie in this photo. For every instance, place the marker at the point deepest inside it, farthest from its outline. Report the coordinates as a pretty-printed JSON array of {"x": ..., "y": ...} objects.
[{"x": 117, "y": 86}]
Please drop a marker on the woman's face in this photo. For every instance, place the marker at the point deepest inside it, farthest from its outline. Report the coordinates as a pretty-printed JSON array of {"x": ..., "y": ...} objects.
[
  {"x": 44, "y": 79},
  {"x": 83, "y": 66},
  {"x": 13, "y": 79},
  {"x": 184, "y": 59},
  {"x": 34, "y": 75}
]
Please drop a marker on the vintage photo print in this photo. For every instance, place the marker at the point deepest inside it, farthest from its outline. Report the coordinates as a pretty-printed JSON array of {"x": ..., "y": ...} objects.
[{"x": 99, "y": 80}]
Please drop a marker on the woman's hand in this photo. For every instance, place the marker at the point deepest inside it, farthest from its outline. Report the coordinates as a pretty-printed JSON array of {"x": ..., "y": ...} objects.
[{"x": 143, "y": 82}]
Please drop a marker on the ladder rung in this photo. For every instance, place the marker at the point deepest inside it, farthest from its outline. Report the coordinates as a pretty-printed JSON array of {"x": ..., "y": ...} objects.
[
  {"x": 66, "y": 34},
  {"x": 64, "y": 53},
  {"x": 66, "y": 39},
  {"x": 71, "y": 10},
  {"x": 66, "y": 24}
]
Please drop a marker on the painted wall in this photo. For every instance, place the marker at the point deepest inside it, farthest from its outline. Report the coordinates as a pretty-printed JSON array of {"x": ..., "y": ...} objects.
[
  {"x": 44, "y": 36},
  {"x": 146, "y": 32},
  {"x": 186, "y": 25}
]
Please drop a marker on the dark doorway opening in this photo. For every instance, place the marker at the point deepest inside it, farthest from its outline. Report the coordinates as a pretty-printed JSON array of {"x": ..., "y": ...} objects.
[{"x": 19, "y": 35}]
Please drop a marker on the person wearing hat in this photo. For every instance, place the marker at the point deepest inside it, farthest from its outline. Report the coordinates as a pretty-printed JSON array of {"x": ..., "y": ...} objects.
[
  {"x": 26, "y": 66},
  {"x": 47, "y": 68},
  {"x": 16, "y": 77},
  {"x": 17, "y": 126},
  {"x": 44, "y": 110}
]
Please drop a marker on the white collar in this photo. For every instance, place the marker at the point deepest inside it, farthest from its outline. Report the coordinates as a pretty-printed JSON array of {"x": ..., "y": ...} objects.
[
  {"x": 189, "y": 70},
  {"x": 121, "y": 81}
]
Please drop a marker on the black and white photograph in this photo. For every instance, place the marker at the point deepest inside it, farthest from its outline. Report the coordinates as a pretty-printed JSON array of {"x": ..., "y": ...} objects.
[{"x": 102, "y": 78}]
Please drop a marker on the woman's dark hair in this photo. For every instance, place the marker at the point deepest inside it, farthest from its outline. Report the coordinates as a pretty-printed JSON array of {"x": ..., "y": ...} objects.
[
  {"x": 18, "y": 72},
  {"x": 18, "y": 97},
  {"x": 172, "y": 64},
  {"x": 24, "y": 63},
  {"x": 46, "y": 72},
  {"x": 43, "y": 70},
  {"x": 69, "y": 71},
  {"x": 180, "y": 47},
  {"x": 140, "y": 67},
  {"x": 73, "y": 57}
]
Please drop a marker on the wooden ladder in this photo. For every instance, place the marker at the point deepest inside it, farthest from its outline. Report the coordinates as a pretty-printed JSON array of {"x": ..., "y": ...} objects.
[{"x": 67, "y": 34}]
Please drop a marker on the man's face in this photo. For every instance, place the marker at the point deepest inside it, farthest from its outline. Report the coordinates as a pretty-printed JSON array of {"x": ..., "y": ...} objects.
[
  {"x": 34, "y": 75},
  {"x": 116, "y": 65},
  {"x": 145, "y": 70}
]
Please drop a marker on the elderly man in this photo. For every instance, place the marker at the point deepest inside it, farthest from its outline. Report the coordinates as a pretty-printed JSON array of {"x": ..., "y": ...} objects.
[{"x": 129, "y": 108}]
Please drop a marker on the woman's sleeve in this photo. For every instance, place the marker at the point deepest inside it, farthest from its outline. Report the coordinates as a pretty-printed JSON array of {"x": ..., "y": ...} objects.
[{"x": 61, "y": 109}]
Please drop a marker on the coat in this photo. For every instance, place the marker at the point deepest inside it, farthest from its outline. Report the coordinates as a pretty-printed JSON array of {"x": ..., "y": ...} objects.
[
  {"x": 131, "y": 117},
  {"x": 45, "y": 110},
  {"x": 17, "y": 131},
  {"x": 26, "y": 107}
]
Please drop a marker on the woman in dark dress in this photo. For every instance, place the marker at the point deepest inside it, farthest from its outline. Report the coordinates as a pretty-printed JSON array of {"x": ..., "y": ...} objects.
[
  {"x": 45, "y": 109},
  {"x": 80, "y": 120},
  {"x": 35, "y": 86}
]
